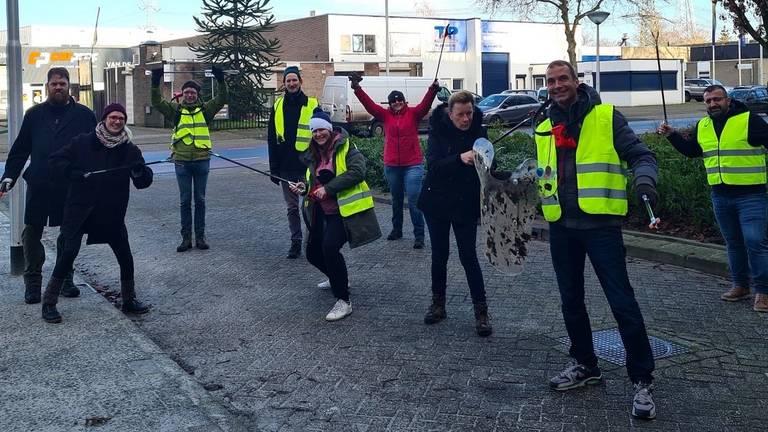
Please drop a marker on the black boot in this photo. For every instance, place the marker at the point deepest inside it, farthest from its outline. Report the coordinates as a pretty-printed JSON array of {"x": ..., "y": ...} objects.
[
  {"x": 186, "y": 243},
  {"x": 33, "y": 284},
  {"x": 482, "y": 320},
  {"x": 200, "y": 242},
  {"x": 50, "y": 297},
  {"x": 395, "y": 234},
  {"x": 130, "y": 304},
  {"x": 295, "y": 250},
  {"x": 69, "y": 289},
  {"x": 436, "y": 311}
]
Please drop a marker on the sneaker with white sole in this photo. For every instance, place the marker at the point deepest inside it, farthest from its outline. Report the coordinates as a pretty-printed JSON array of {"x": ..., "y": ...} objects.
[
  {"x": 340, "y": 310},
  {"x": 325, "y": 284},
  {"x": 642, "y": 405},
  {"x": 575, "y": 375}
]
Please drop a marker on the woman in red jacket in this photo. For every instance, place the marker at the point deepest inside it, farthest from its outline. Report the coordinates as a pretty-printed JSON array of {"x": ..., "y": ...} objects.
[{"x": 402, "y": 153}]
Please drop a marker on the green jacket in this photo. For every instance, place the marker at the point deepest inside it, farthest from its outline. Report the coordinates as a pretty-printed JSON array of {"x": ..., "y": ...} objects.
[
  {"x": 361, "y": 228},
  {"x": 171, "y": 110}
]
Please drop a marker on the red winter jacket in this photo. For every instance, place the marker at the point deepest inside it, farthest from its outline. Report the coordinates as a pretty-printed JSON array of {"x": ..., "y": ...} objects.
[{"x": 401, "y": 129}]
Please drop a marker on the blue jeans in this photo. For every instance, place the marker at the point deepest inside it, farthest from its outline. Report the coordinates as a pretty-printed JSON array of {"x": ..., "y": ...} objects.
[
  {"x": 742, "y": 221},
  {"x": 192, "y": 175},
  {"x": 402, "y": 180},
  {"x": 605, "y": 248}
]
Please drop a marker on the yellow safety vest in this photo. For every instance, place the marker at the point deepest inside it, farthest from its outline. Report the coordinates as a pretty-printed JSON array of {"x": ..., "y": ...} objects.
[
  {"x": 303, "y": 134},
  {"x": 353, "y": 200},
  {"x": 601, "y": 177},
  {"x": 731, "y": 160},
  {"x": 192, "y": 129}
]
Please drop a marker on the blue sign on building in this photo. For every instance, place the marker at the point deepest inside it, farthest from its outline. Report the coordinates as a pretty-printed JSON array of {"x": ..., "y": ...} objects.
[{"x": 455, "y": 40}]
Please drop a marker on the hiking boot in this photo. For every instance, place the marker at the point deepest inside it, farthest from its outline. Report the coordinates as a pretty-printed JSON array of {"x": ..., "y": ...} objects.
[
  {"x": 130, "y": 304},
  {"x": 575, "y": 375},
  {"x": 295, "y": 250},
  {"x": 33, "y": 284},
  {"x": 436, "y": 312},
  {"x": 761, "y": 303},
  {"x": 200, "y": 242},
  {"x": 642, "y": 405},
  {"x": 418, "y": 244},
  {"x": 735, "y": 294},
  {"x": 395, "y": 234},
  {"x": 482, "y": 320},
  {"x": 50, "y": 314},
  {"x": 186, "y": 243},
  {"x": 69, "y": 289},
  {"x": 340, "y": 310}
]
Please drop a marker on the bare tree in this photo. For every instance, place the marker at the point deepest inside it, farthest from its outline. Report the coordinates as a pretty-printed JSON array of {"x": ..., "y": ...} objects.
[{"x": 750, "y": 17}]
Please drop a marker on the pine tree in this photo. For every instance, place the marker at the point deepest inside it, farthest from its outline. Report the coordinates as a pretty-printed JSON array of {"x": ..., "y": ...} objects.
[{"x": 236, "y": 38}]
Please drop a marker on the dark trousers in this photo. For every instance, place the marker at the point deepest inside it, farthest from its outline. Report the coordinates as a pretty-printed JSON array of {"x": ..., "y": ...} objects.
[
  {"x": 292, "y": 206},
  {"x": 192, "y": 177},
  {"x": 120, "y": 247},
  {"x": 605, "y": 248},
  {"x": 34, "y": 252},
  {"x": 326, "y": 237},
  {"x": 465, "y": 233}
]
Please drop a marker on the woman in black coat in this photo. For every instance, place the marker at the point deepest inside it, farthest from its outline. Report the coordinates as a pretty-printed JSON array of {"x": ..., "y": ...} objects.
[
  {"x": 96, "y": 204},
  {"x": 450, "y": 198}
]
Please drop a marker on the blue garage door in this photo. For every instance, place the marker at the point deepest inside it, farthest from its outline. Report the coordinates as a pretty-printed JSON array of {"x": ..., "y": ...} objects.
[{"x": 495, "y": 73}]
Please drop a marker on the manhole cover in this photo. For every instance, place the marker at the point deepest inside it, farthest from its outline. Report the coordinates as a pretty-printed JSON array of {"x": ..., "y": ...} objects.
[{"x": 608, "y": 346}]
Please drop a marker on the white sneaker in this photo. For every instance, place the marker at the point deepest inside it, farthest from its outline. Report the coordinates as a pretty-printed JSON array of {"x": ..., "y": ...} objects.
[
  {"x": 324, "y": 285},
  {"x": 340, "y": 310}
]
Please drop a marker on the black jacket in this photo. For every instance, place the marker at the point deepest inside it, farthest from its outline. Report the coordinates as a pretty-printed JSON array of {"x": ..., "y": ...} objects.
[
  {"x": 97, "y": 204},
  {"x": 757, "y": 136},
  {"x": 45, "y": 129},
  {"x": 628, "y": 146},
  {"x": 451, "y": 189},
  {"x": 283, "y": 157}
]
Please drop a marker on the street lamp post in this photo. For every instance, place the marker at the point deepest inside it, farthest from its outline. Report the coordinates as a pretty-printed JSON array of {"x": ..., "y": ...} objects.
[{"x": 597, "y": 17}]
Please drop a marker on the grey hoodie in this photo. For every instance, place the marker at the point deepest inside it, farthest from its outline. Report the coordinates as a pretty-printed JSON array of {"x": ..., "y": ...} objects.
[{"x": 628, "y": 146}]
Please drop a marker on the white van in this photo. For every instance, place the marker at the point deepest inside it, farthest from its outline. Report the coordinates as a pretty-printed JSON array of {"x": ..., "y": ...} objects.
[{"x": 340, "y": 102}]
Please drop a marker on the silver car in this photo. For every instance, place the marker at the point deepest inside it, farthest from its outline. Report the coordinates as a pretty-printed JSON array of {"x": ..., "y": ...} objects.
[{"x": 507, "y": 108}]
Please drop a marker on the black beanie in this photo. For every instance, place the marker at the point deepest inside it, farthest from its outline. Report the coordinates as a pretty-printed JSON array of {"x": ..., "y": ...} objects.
[
  {"x": 192, "y": 84},
  {"x": 291, "y": 70},
  {"x": 395, "y": 94}
]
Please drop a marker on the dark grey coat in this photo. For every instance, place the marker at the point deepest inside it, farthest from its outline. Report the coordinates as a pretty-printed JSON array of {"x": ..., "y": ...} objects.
[{"x": 37, "y": 139}]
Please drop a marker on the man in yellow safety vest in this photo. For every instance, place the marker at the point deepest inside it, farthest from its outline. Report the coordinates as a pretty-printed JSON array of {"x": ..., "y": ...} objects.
[
  {"x": 731, "y": 140},
  {"x": 583, "y": 149}
]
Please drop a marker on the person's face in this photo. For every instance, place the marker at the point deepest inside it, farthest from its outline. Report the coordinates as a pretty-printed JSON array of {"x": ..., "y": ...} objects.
[
  {"x": 717, "y": 103},
  {"x": 292, "y": 83},
  {"x": 397, "y": 103},
  {"x": 321, "y": 136},
  {"x": 190, "y": 95},
  {"x": 115, "y": 122},
  {"x": 58, "y": 89},
  {"x": 461, "y": 115},
  {"x": 561, "y": 85}
]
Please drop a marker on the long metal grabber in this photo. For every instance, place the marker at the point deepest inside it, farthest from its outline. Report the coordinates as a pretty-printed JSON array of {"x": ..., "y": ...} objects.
[
  {"x": 654, "y": 220},
  {"x": 90, "y": 173},
  {"x": 661, "y": 80},
  {"x": 442, "y": 45},
  {"x": 514, "y": 128},
  {"x": 290, "y": 183}
]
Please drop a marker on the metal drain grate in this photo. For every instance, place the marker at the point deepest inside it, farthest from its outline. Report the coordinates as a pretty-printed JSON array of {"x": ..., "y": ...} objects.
[{"x": 608, "y": 346}]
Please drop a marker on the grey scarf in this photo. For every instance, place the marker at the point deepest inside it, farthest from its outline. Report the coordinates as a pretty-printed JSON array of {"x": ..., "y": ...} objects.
[{"x": 109, "y": 140}]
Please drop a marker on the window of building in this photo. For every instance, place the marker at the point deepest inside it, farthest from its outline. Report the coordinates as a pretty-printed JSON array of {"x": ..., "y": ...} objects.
[
  {"x": 363, "y": 43},
  {"x": 458, "y": 84},
  {"x": 636, "y": 81}
]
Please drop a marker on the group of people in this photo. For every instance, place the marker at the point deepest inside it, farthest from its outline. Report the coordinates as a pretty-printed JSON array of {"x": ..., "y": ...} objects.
[{"x": 584, "y": 149}]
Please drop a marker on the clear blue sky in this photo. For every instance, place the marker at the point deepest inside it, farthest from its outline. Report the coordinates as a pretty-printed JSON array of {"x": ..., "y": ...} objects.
[{"x": 177, "y": 14}]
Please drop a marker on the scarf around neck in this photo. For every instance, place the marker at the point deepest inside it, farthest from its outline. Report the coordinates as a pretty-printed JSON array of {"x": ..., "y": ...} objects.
[{"x": 109, "y": 140}]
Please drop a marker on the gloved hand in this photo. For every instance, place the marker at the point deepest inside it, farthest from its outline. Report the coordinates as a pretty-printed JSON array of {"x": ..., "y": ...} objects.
[
  {"x": 5, "y": 186},
  {"x": 76, "y": 175},
  {"x": 137, "y": 170},
  {"x": 649, "y": 191},
  {"x": 157, "y": 77},
  {"x": 275, "y": 181},
  {"x": 355, "y": 79},
  {"x": 217, "y": 73},
  {"x": 435, "y": 86},
  {"x": 325, "y": 176}
]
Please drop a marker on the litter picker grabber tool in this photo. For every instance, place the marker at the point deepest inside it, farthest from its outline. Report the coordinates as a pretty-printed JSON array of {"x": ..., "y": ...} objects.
[
  {"x": 654, "y": 220},
  {"x": 661, "y": 80},
  {"x": 90, "y": 173},
  {"x": 448, "y": 31},
  {"x": 514, "y": 128},
  {"x": 290, "y": 183}
]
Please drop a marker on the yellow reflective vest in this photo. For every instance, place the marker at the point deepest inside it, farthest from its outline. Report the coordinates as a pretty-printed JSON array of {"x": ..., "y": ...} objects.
[
  {"x": 303, "y": 134},
  {"x": 731, "y": 159},
  {"x": 192, "y": 129},
  {"x": 601, "y": 177},
  {"x": 353, "y": 200}
]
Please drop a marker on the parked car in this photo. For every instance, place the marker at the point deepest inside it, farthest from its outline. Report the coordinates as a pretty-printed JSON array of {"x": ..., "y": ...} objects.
[
  {"x": 542, "y": 94},
  {"x": 477, "y": 97},
  {"x": 507, "y": 108},
  {"x": 531, "y": 93},
  {"x": 755, "y": 98},
  {"x": 694, "y": 88}
]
